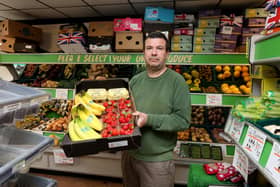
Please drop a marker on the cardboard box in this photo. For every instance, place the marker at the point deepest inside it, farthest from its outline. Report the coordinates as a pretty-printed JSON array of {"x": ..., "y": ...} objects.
[
  {"x": 114, "y": 143},
  {"x": 159, "y": 14},
  {"x": 183, "y": 31},
  {"x": 251, "y": 31},
  {"x": 100, "y": 44},
  {"x": 182, "y": 38},
  {"x": 230, "y": 30},
  {"x": 210, "y": 32},
  {"x": 15, "y": 29},
  {"x": 209, "y": 22},
  {"x": 210, "y": 13},
  {"x": 11, "y": 45},
  {"x": 203, "y": 48},
  {"x": 129, "y": 41},
  {"x": 204, "y": 40},
  {"x": 49, "y": 37},
  {"x": 256, "y": 13},
  {"x": 72, "y": 42},
  {"x": 127, "y": 24},
  {"x": 153, "y": 27},
  {"x": 101, "y": 28},
  {"x": 184, "y": 18},
  {"x": 182, "y": 46},
  {"x": 256, "y": 22},
  {"x": 226, "y": 38}
]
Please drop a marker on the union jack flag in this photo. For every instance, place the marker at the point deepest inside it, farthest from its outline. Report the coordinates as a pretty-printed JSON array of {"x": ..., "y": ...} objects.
[
  {"x": 271, "y": 4},
  {"x": 273, "y": 19},
  {"x": 231, "y": 20},
  {"x": 76, "y": 37}
]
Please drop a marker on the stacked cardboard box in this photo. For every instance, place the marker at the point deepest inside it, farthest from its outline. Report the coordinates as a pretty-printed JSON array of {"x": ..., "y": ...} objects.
[
  {"x": 272, "y": 23},
  {"x": 182, "y": 38},
  {"x": 18, "y": 37},
  {"x": 229, "y": 33},
  {"x": 72, "y": 38},
  {"x": 129, "y": 36},
  {"x": 101, "y": 36},
  {"x": 204, "y": 35}
]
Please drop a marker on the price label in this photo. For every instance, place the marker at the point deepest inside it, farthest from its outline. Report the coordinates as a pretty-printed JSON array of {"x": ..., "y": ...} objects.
[
  {"x": 227, "y": 30},
  {"x": 241, "y": 162},
  {"x": 12, "y": 107},
  {"x": 61, "y": 158},
  {"x": 236, "y": 129},
  {"x": 214, "y": 99},
  {"x": 254, "y": 142},
  {"x": 228, "y": 124},
  {"x": 273, "y": 163},
  {"x": 61, "y": 94}
]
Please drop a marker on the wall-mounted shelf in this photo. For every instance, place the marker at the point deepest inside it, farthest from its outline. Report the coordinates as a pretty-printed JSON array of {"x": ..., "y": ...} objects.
[{"x": 122, "y": 58}]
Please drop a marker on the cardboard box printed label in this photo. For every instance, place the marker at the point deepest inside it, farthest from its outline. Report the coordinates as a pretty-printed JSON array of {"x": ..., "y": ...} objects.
[
  {"x": 204, "y": 40},
  {"x": 208, "y": 23},
  {"x": 181, "y": 38},
  {"x": 183, "y": 31},
  {"x": 256, "y": 13},
  {"x": 256, "y": 22},
  {"x": 159, "y": 14},
  {"x": 181, "y": 46}
]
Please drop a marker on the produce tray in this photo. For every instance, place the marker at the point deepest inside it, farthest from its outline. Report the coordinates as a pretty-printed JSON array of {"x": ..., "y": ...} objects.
[
  {"x": 18, "y": 148},
  {"x": 114, "y": 143},
  {"x": 265, "y": 122},
  {"x": 28, "y": 180},
  {"x": 200, "y": 151},
  {"x": 17, "y": 101}
]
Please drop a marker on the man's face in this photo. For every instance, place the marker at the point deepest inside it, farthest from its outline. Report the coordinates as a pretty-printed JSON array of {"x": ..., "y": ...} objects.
[{"x": 155, "y": 53}]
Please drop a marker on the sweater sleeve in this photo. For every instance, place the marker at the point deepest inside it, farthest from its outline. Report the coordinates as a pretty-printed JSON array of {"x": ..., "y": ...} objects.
[{"x": 180, "y": 117}]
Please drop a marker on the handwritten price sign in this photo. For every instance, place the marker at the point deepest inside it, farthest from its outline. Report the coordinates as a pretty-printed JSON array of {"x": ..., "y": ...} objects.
[
  {"x": 273, "y": 163},
  {"x": 236, "y": 129},
  {"x": 254, "y": 142}
]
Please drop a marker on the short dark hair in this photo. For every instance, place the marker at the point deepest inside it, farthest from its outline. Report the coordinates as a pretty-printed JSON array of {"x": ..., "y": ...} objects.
[{"x": 158, "y": 35}]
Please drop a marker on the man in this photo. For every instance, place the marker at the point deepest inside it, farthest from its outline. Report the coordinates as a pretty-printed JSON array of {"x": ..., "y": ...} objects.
[{"x": 163, "y": 107}]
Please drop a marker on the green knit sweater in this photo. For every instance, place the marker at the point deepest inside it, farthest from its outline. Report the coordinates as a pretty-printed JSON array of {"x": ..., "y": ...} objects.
[{"x": 166, "y": 100}]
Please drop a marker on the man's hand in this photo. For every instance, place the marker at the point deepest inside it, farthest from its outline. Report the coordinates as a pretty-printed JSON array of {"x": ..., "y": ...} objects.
[{"x": 141, "y": 118}]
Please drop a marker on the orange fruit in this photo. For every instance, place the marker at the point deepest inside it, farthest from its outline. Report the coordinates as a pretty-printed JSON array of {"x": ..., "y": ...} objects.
[
  {"x": 236, "y": 74},
  {"x": 226, "y": 68},
  {"x": 247, "y": 90},
  {"x": 224, "y": 85},
  {"x": 227, "y": 74},
  {"x": 227, "y": 90},
  {"x": 218, "y": 68},
  {"x": 245, "y": 69},
  {"x": 232, "y": 86},
  {"x": 242, "y": 87},
  {"x": 220, "y": 76},
  {"x": 249, "y": 84},
  {"x": 246, "y": 78},
  {"x": 235, "y": 91},
  {"x": 245, "y": 74},
  {"x": 237, "y": 68}
]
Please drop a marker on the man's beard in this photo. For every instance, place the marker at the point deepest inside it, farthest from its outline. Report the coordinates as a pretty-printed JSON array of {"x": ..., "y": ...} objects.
[{"x": 156, "y": 68}]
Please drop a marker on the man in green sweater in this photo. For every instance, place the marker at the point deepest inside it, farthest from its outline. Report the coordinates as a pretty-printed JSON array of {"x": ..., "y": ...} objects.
[{"x": 163, "y": 108}]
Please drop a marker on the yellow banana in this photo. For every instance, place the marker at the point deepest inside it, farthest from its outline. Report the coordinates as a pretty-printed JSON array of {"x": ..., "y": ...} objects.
[
  {"x": 78, "y": 99},
  {"x": 88, "y": 100},
  {"x": 72, "y": 133},
  {"x": 85, "y": 131},
  {"x": 90, "y": 119}
]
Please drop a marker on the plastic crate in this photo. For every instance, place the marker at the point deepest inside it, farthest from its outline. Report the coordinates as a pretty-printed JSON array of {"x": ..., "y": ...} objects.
[
  {"x": 265, "y": 122},
  {"x": 16, "y": 101},
  {"x": 18, "y": 148},
  {"x": 27, "y": 180}
]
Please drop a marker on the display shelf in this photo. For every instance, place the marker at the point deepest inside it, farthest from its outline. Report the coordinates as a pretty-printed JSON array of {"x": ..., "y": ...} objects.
[
  {"x": 260, "y": 154},
  {"x": 264, "y": 50},
  {"x": 60, "y": 93},
  {"x": 216, "y": 99},
  {"x": 122, "y": 58}
]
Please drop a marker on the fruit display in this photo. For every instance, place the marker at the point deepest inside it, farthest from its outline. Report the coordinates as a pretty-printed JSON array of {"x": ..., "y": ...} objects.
[
  {"x": 53, "y": 115},
  {"x": 216, "y": 115},
  {"x": 192, "y": 77},
  {"x": 200, "y": 135},
  {"x": 197, "y": 115},
  {"x": 93, "y": 118}
]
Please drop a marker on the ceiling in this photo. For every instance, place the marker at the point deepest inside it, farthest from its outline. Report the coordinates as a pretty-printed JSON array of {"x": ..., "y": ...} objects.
[{"x": 28, "y": 10}]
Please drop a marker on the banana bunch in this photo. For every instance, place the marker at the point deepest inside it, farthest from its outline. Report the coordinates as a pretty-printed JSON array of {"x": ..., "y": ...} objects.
[{"x": 85, "y": 124}]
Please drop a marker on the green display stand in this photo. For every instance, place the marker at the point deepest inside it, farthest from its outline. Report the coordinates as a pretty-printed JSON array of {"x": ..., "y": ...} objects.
[{"x": 198, "y": 178}]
